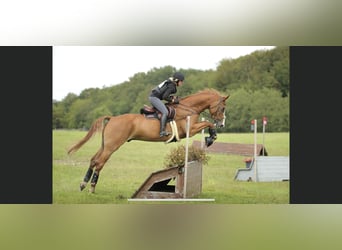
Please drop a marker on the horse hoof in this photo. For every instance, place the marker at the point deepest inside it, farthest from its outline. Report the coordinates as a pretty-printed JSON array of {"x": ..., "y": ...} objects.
[
  {"x": 82, "y": 186},
  {"x": 208, "y": 141},
  {"x": 92, "y": 190}
]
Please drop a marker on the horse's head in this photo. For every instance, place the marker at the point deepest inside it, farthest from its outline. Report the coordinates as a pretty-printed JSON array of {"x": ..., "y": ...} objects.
[
  {"x": 205, "y": 99},
  {"x": 217, "y": 111}
]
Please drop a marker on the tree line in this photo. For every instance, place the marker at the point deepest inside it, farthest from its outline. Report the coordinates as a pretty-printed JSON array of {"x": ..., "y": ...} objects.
[{"x": 258, "y": 85}]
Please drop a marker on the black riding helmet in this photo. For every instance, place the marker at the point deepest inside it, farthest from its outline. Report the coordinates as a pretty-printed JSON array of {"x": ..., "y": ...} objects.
[{"x": 178, "y": 76}]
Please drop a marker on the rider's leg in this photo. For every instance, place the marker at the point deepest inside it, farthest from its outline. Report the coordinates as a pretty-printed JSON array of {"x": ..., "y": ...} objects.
[
  {"x": 158, "y": 104},
  {"x": 162, "y": 125}
]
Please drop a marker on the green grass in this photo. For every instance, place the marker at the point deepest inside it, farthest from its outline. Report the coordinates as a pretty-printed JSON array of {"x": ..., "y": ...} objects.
[{"x": 129, "y": 167}]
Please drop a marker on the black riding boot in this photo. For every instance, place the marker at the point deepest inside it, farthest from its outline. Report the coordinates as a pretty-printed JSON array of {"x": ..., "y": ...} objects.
[{"x": 162, "y": 126}]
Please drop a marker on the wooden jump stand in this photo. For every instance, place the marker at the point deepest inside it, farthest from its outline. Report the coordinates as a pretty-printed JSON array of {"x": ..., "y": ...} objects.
[{"x": 187, "y": 182}]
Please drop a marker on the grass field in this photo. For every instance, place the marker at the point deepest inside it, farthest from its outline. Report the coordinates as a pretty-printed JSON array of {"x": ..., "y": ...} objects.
[{"x": 129, "y": 167}]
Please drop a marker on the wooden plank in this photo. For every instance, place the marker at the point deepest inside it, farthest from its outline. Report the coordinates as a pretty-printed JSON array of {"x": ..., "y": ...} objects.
[
  {"x": 232, "y": 148},
  {"x": 173, "y": 200},
  {"x": 159, "y": 195},
  {"x": 194, "y": 179}
]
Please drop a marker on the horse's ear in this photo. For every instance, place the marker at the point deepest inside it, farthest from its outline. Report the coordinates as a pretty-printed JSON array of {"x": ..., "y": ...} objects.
[{"x": 226, "y": 97}]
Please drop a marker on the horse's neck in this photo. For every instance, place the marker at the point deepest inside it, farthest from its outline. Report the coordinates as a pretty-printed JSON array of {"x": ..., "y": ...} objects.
[{"x": 200, "y": 103}]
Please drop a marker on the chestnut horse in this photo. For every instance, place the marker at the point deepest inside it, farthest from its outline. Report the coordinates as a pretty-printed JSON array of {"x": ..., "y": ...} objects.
[{"x": 116, "y": 130}]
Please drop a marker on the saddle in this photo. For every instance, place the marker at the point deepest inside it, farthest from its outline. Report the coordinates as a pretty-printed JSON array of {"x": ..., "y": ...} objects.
[{"x": 151, "y": 112}]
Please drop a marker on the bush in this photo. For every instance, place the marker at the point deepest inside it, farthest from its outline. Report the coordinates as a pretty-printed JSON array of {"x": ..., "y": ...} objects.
[{"x": 176, "y": 157}]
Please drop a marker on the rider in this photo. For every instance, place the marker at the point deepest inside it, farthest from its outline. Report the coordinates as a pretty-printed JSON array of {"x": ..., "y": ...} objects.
[{"x": 164, "y": 91}]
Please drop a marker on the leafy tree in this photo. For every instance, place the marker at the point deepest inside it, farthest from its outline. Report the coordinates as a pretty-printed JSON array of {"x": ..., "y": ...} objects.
[
  {"x": 258, "y": 85},
  {"x": 57, "y": 115}
]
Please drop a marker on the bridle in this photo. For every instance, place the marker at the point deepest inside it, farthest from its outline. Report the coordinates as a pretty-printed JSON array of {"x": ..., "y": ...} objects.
[
  {"x": 217, "y": 106},
  {"x": 214, "y": 115}
]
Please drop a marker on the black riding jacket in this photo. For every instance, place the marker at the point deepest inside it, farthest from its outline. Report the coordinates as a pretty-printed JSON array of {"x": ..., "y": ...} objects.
[{"x": 165, "y": 90}]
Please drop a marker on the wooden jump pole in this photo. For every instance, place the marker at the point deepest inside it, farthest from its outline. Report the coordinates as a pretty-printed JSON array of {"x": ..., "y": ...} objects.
[{"x": 202, "y": 140}]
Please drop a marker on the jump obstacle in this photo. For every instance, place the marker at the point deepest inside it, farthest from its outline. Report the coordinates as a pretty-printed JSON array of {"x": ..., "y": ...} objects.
[
  {"x": 187, "y": 181},
  {"x": 270, "y": 168},
  {"x": 275, "y": 168},
  {"x": 261, "y": 168},
  {"x": 157, "y": 185},
  {"x": 233, "y": 148}
]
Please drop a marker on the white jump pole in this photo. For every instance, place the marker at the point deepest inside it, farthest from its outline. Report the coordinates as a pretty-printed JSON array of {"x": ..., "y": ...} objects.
[
  {"x": 255, "y": 149},
  {"x": 202, "y": 140},
  {"x": 264, "y": 121},
  {"x": 186, "y": 153}
]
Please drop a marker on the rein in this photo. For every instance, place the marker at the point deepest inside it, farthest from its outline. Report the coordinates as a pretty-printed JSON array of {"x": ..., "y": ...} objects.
[
  {"x": 186, "y": 108},
  {"x": 193, "y": 111}
]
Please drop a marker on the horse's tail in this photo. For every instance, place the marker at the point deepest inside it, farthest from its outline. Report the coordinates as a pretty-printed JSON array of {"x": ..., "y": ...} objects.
[{"x": 97, "y": 126}]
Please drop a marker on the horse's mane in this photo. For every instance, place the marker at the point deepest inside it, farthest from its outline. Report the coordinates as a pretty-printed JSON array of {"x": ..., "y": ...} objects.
[
  {"x": 209, "y": 91},
  {"x": 204, "y": 91}
]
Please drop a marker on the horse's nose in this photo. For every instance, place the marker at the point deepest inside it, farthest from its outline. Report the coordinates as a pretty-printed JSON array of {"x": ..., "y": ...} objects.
[{"x": 219, "y": 124}]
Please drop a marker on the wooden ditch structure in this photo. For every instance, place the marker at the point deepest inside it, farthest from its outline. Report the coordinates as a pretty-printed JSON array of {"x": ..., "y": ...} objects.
[{"x": 172, "y": 183}]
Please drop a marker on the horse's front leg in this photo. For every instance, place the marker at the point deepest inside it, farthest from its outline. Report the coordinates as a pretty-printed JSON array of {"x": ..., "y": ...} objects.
[
  {"x": 213, "y": 136},
  {"x": 212, "y": 133},
  {"x": 197, "y": 127}
]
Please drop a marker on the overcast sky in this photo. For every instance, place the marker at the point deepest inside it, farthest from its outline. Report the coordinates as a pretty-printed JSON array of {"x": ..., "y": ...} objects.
[{"x": 76, "y": 68}]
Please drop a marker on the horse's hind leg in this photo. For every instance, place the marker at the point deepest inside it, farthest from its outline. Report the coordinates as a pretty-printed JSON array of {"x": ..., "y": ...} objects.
[
  {"x": 94, "y": 181},
  {"x": 112, "y": 138},
  {"x": 90, "y": 171},
  {"x": 99, "y": 163},
  {"x": 87, "y": 176}
]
